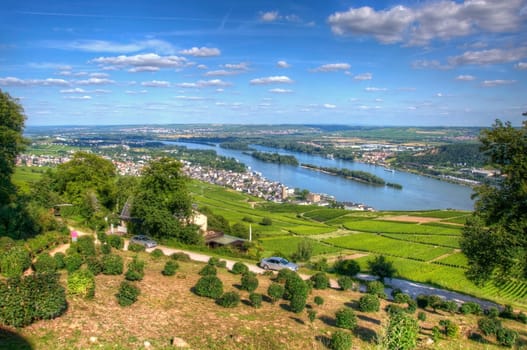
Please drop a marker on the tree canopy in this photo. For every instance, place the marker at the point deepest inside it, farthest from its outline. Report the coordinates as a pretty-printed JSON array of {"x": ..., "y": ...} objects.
[{"x": 495, "y": 238}]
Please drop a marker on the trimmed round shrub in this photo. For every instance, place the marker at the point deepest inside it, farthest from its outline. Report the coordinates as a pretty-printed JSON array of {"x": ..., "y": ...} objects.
[
  {"x": 401, "y": 298},
  {"x": 102, "y": 236},
  {"x": 112, "y": 264},
  {"x": 283, "y": 275},
  {"x": 451, "y": 329},
  {"x": 492, "y": 312},
  {"x": 377, "y": 288},
  {"x": 73, "y": 262},
  {"x": 135, "y": 270},
  {"x": 448, "y": 306},
  {"x": 412, "y": 306},
  {"x": 275, "y": 291},
  {"x": 421, "y": 316},
  {"x": 393, "y": 309},
  {"x": 347, "y": 267},
  {"x": 229, "y": 299},
  {"x": 180, "y": 256},
  {"x": 14, "y": 262},
  {"x": 249, "y": 282},
  {"x": 489, "y": 325},
  {"x": 115, "y": 241},
  {"x": 59, "y": 260},
  {"x": 239, "y": 268},
  {"x": 170, "y": 268},
  {"x": 320, "y": 280},
  {"x": 318, "y": 300},
  {"x": 214, "y": 261},
  {"x": 208, "y": 270},
  {"x": 81, "y": 283},
  {"x": 311, "y": 315},
  {"x": 297, "y": 302},
  {"x": 345, "y": 282},
  {"x": 86, "y": 246},
  {"x": 106, "y": 248},
  {"x": 341, "y": 340},
  {"x": 255, "y": 299},
  {"x": 507, "y": 337},
  {"x": 94, "y": 265},
  {"x": 157, "y": 253},
  {"x": 209, "y": 286},
  {"x": 136, "y": 247},
  {"x": 45, "y": 264},
  {"x": 222, "y": 264},
  {"x": 345, "y": 318},
  {"x": 369, "y": 303},
  {"x": 470, "y": 307},
  {"x": 128, "y": 293}
]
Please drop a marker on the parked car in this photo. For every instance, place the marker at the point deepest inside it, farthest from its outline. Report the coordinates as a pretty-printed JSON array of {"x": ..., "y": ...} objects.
[
  {"x": 277, "y": 263},
  {"x": 144, "y": 240}
]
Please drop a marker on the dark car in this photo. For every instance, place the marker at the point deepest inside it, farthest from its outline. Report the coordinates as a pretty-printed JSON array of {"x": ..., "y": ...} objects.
[
  {"x": 277, "y": 263},
  {"x": 144, "y": 240}
]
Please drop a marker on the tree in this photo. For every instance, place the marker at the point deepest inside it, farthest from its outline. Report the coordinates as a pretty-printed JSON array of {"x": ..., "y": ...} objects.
[
  {"x": 495, "y": 238},
  {"x": 381, "y": 267},
  {"x": 304, "y": 250},
  {"x": 162, "y": 205}
]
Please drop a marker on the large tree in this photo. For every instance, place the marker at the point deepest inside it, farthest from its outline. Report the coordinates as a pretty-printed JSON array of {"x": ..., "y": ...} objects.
[
  {"x": 162, "y": 202},
  {"x": 495, "y": 238}
]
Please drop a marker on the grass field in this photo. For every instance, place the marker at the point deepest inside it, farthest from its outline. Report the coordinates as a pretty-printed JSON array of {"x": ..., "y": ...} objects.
[
  {"x": 287, "y": 245},
  {"x": 441, "y": 240},
  {"x": 399, "y": 227}
]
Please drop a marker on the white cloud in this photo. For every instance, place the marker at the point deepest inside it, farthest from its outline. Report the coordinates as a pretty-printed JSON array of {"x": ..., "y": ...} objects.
[
  {"x": 465, "y": 77},
  {"x": 521, "y": 65},
  {"x": 375, "y": 89},
  {"x": 189, "y": 98},
  {"x": 95, "y": 81},
  {"x": 363, "y": 76},
  {"x": 12, "y": 81},
  {"x": 281, "y": 79},
  {"x": 202, "y": 66},
  {"x": 143, "y": 69},
  {"x": 485, "y": 57},
  {"x": 156, "y": 83},
  {"x": 329, "y": 106},
  {"x": 99, "y": 75},
  {"x": 332, "y": 67},
  {"x": 499, "y": 82},
  {"x": 84, "y": 97},
  {"x": 73, "y": 91},
  {"x": 420, "y": 24},
  {"x": 205, "y": 83},
  {"x": 237, "y": 66},
  {"x": 141, "y": 62},
  {"x": 270, "y": 16},
  {"x": 156, "y": 45},
  {"x": 280, "y": 91},
  {"x": 221, "y": 72},
  {"x": 429, "y": 64},
  {"x": 201, "y": 52},
  {"x": 282, "y": 64}
]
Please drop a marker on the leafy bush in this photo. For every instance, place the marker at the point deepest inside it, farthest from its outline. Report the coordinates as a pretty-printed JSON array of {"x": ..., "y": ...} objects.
[
  {"x": 377, "y": 288},
  {"x": 94, "y": 265},
  {"x": 394, "y": 309},
  {"x": 345, "y": 282},
  {"x": 102, "y": 237},
  {"x": 421, "y": 316},
  {"x": 492, "y": 312},
  {"x": 180, "y": 256},
  {"x": 412, "y": 306},
  {"x": 489, "y": 325},
  {"x": 229, "y": 299},
  {"x": 304, "y": 250},
  {"x": 345, "y": 318},
  {"x": 81, "y": 283},
  {"x": 214, "y": 261},
  {"x": 347, "y": 267},
  {"x": 381, "y": 267},
  {"x": 59, "y": 260},
  {"x": 157, "y": 253},
  {"x": 422, "y": 301},
  {"x": 15, "y": 261},
  {"x": 239, "y": 268},
  {"x": 311, "y": 315},
  {"x": 128, "y": 293},
  {"x": 508, "y": 312},
  {"x": 369, "y": 303},
  {"x": 115, "y": 241},
  {"x": 136, "y": 247},
  {"x": 297, "y": 303},
  {"x": 401, "y": 298},
  {"x": 341, "y": 340},
  {"x": 255, "y": 299},
  {"x": 135, "y": 270},
  {"x": 275, "y": 291},
  {"x": 295, "y": 285},
  {"x": 249, "y": 282},
  {"x": 45, "y": 264},
  {"x": 27, "y": 299},
  {"x": 320, "y": 280},
  {"x": 449, "y": 306},
  {"x": 73, "y": 262},
  {"x": 522, "y": 317},
  {"x": 85, "y": 246},
  {"x": 401, "y": 333},
  {"x": 283, "y": 275},
  {"x": 470, "y": 307},
  {"x": 209, "y": 286},
  {"x": 507, "y": 337},
  {"x": 320, "y": 265},
  {"x": 208, "y": 270},
  {"x": 112, "y": 264},
  {"x": 318, "y": 300},
  {"x": 170, "y": 268},
  {"x": 266, "y": 221},
  {"x": 451, "y": 329},
  {"x": 106, "y": 248}
]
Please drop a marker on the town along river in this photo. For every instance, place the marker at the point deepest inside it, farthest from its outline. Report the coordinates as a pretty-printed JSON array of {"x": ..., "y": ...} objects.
[{"x": 418, "y": 192}]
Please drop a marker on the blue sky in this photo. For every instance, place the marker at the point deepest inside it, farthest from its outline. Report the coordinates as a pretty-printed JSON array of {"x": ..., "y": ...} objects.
[{"x": 406, "y": 62}]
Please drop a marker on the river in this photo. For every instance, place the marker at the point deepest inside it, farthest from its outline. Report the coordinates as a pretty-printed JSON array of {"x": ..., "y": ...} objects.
[{"x": 418, "y": 192}]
